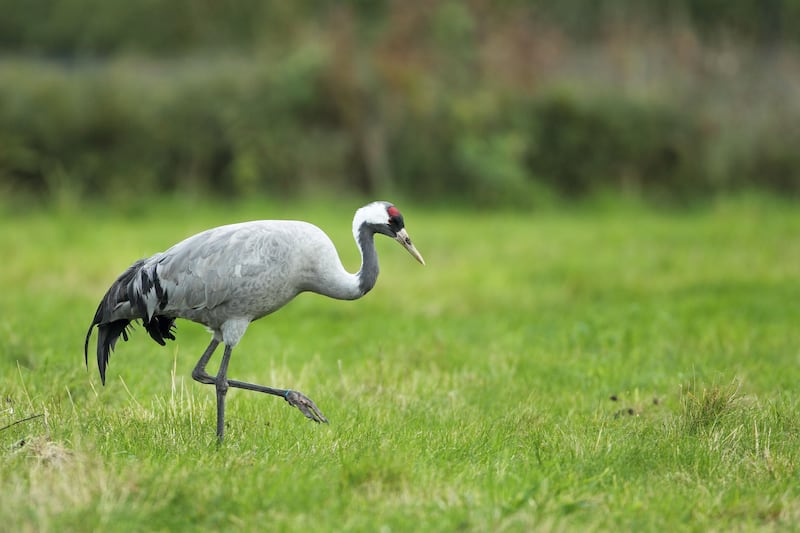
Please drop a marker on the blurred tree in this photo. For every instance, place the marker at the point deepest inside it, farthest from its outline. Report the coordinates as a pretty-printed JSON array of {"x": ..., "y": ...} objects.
[{"x": 491, "y": 102}]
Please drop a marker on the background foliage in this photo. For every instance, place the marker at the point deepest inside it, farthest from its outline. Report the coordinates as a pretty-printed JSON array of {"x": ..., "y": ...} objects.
[{"x": 486, "y": 102}]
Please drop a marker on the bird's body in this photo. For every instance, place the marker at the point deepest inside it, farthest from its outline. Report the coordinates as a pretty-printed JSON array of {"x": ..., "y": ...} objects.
[
  {"x": 227, "y": 272},
  {"x": 229, "y": 276}
]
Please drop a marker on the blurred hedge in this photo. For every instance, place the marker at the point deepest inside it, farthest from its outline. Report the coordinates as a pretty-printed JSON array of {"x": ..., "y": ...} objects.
[
  {"x": 68, "y": 28},
  {"x": 457, "y": 100}
]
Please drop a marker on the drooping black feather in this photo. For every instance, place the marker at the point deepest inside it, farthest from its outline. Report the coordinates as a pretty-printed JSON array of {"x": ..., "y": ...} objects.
[
  {"x": 160, "y": 328},
  {"x": 123, "y": 291}
]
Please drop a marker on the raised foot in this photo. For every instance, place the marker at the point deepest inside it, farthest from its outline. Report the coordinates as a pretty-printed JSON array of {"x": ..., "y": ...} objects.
[{"x": 306, "y": 405}]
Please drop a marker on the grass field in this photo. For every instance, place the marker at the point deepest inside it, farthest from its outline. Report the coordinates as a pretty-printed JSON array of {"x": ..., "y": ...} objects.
[{"x": 596, "y": 368}]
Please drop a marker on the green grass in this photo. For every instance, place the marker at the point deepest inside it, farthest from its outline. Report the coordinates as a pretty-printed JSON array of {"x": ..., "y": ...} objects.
[{"x": 609, "y": 369}]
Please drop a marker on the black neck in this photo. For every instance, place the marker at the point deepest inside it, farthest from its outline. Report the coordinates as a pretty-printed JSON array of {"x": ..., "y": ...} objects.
[{"x": 368, "y": 274}]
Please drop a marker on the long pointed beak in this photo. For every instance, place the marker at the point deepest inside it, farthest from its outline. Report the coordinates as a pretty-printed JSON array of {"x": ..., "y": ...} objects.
[{"x": 403, "y": 238}]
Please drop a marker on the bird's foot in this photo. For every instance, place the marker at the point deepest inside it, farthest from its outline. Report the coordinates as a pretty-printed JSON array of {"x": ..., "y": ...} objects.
[{"x": 306, "y": 405}]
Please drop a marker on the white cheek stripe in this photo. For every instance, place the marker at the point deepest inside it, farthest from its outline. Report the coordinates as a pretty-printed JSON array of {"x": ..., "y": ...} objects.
[{"x": 374, "y": 213}]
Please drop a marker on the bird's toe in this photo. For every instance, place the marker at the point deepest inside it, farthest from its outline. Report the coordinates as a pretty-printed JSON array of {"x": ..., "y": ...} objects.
[{"x": 306, "y": 406}]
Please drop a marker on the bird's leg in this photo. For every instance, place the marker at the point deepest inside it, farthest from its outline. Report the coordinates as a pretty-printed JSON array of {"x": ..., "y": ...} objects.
[
  {"x": 295, "y": 398},
  {"x": 222, "y": 390},
  {"x": 199, "y": 373}
]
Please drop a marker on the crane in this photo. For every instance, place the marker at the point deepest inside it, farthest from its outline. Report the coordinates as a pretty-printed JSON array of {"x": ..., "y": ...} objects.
[{"x": 226, "y": 277}]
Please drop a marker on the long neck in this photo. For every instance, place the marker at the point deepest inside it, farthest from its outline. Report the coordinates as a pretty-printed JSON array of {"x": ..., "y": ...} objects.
[
  {"x": 368, "y": 273},
  {"x": 332, "y": 280}
]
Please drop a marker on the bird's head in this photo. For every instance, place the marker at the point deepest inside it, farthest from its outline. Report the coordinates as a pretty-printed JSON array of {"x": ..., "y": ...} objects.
[{"x": 385, "y": 218}]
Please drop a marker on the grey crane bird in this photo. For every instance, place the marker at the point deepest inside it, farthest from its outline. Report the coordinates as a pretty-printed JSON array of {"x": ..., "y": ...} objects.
[{"x": 229, "y": 276}]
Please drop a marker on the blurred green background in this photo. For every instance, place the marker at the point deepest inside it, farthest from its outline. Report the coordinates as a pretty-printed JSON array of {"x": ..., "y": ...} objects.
[{"x": 478, "y": 102}]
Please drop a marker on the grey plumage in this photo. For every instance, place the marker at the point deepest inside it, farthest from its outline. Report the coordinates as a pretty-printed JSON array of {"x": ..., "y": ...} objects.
[{"x": 229, "y": 276}]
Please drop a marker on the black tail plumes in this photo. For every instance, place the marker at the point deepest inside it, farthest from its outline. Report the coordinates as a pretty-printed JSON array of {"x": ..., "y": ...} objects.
[{"x": 124, "y": 303}]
